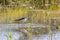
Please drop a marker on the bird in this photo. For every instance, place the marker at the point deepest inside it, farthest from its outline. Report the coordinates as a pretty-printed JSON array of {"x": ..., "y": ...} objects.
[{"x": 23, "y": 19}]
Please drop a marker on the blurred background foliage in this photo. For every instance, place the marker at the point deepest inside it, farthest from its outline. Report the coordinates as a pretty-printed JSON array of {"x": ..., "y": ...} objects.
[{"x": 40, "y": 11}]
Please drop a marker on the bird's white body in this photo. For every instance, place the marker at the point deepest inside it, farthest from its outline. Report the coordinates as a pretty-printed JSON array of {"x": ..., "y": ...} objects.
[{"x": 25, "y": 19}]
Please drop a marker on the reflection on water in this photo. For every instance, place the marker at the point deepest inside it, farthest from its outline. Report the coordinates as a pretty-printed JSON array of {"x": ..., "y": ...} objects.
[
  {"x": 10, "y": 35},
  {"x": 54, "y": 36}
]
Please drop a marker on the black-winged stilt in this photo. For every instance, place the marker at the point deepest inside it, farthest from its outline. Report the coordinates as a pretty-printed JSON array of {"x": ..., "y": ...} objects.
[{"x": 23, "y": 19}]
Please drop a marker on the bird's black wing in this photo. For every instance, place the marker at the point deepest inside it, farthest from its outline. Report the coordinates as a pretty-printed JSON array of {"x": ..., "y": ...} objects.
[{"x": 19, "y": 19}]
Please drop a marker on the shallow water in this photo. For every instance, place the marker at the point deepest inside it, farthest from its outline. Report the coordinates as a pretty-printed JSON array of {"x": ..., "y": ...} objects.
[
  {"x": 54, "y": 36},
  {"x": 6, "y": 35}
]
